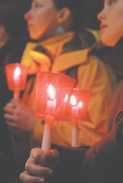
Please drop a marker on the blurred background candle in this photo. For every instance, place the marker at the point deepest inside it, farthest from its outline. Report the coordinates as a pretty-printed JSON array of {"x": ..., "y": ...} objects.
[
  {"x": 16, "y": 75},
  {"x": 77, "y": 110},
  {"x": 53, "y": 93}
]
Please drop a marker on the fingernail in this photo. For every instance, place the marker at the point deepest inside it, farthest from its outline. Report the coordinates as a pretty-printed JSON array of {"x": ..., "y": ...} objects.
[{"x": 41, "y": 180}]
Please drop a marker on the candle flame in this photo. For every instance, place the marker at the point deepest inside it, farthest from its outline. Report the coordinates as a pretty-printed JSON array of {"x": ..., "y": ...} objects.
[
  {"x": 73, "y": 100},
  {"x": 51, "y": 92},
  {"x": 17, "y": 73},
  {"x": 80, "y": 104}
]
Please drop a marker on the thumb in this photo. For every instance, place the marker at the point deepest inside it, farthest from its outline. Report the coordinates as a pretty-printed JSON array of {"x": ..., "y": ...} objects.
[
  {"x": 51, "y": 156},
  {"x": 15, "y": 102}
]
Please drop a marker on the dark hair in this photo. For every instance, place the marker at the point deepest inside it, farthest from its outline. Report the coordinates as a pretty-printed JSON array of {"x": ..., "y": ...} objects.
[
  {"x": 12, "y": 19},
  {"x": 78, "y": 11}
]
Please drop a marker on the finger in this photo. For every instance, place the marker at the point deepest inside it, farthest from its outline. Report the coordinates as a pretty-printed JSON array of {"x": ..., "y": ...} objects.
[
  {"x": 37, "y": 154},
  {"x": 37, "y": 170},
  {"x": 37, "y": 157},
  {"x": 12, "y": 124},
  {"x": 47, "y": 159},
  {"x": 15, "y": 102},
  {"x": 10, "y": 110},
  {"x": 8, "y": 106},
  {"x": 25, "y": 177},
  {"x": 10, "y": 117},
  {"x": 51, "y": 156}
]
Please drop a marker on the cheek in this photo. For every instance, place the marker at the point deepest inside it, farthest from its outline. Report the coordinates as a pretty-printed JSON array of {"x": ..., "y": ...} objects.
[{"x": 118, "y": 26}]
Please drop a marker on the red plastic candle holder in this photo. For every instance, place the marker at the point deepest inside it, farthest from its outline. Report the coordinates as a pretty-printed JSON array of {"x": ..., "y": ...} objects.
[
  {"x": 53, "y": 94},
  {"x": 16, "y": 75},
  {"x": 77, "y": 110},
  {"x": 78, "y": 104},
  {"x": 52, "y": 97}
]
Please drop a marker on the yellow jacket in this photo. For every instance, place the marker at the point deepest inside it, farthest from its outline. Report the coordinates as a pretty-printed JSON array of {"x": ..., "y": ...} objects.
[{"x": 92, "y": 74}]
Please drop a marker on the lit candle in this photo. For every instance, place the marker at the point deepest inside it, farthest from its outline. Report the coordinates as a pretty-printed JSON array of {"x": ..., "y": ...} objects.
[
  {"x": 16, "y": 79},
  {"x": 16, "y": 75},
  {"x": 77, "y": 110},
  {"x": 53, "y": 92},
  {"x": 49, "y": 120}
]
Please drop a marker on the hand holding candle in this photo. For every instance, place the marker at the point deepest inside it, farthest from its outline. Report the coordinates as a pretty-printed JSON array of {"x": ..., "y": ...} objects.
[
  {"x": 77, "y": 110},
  {"x": 52, "y": 97},
  {"x": 16, "y": 75}
]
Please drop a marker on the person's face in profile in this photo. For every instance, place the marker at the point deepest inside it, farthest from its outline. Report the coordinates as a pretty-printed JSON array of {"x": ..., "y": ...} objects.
[
  {"x": 42, "y": 19},
  {"x": 111, "y": 18}
]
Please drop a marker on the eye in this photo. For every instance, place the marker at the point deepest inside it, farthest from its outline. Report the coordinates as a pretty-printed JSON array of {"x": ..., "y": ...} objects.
[
  {"x": 110, "y": 2},
  {"x": 36, "y": 4}
]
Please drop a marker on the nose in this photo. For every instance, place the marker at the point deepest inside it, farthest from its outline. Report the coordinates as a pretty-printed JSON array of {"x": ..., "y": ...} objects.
[
  {"x": 101, "y": 15},
  {"x": 27, "y": 15}
]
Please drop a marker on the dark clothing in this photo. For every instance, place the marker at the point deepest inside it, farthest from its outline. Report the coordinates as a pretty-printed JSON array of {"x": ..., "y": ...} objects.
[
  {"x": 101, "y": 163},
  {"x": 104, "y": 161},
  {"x": 69, "y": 168},
  {"x": 10, "y": 53}
]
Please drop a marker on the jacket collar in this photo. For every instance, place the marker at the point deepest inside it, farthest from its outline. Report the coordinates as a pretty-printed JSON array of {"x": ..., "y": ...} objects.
[{"x": 64, "y": 51}]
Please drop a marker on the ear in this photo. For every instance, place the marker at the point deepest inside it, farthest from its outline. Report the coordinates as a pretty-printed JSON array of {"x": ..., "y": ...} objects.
[
  {"x": 2, "y": 30},
  {"x": 63, "y": 15}
]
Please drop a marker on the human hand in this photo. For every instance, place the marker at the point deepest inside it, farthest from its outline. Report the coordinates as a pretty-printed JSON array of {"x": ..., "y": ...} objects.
[
  {"x": 20, "y": 116},
  {"x": 39, "y": 173}
]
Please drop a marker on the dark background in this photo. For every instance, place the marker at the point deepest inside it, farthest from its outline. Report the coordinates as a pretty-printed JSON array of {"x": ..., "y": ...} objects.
[
  {"x": 93, "y": 8},
  {"x": 24, "y": 5}
]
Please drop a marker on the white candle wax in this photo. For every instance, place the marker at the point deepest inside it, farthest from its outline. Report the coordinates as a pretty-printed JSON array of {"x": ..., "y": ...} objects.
[
  {"x": 48, "y": 130},
  {"x": 51, "y": 107},
  {"x": 74, "y": 133}
]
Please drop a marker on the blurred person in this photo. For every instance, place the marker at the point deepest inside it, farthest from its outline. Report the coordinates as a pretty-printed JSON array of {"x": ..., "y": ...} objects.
[
  {"x": 13, "y": 37},
  {"x": 55, "y": 28},
  {"x": 103, "y": 162}
]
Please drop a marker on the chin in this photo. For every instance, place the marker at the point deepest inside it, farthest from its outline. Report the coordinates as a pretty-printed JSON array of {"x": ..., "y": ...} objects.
[
  {"x": 33, "y": 36},
  {"x": 108, "y": 42}
]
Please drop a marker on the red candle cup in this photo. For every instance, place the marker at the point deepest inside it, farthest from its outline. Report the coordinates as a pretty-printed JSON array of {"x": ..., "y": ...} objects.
[
  {"x": 16, "y": 75},
  {"x": 77, "y": 110},
  {"x": 52, "y": 97}
]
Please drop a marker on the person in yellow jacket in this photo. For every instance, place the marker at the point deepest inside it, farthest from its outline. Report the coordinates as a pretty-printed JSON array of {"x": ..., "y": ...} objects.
[{"x": 60, "y": 49}]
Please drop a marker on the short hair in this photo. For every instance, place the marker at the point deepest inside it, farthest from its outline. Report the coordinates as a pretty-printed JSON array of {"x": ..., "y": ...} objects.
[
  {"x": 12, "y": 19},
  {"x": 78, "y": 11}
]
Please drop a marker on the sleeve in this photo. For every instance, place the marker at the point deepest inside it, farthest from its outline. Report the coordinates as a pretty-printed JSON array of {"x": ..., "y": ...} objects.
[
  {"x": 95, "y": 76},
  {"x": 69, "y": 167},
  {"x": 104, "y": 161}
]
